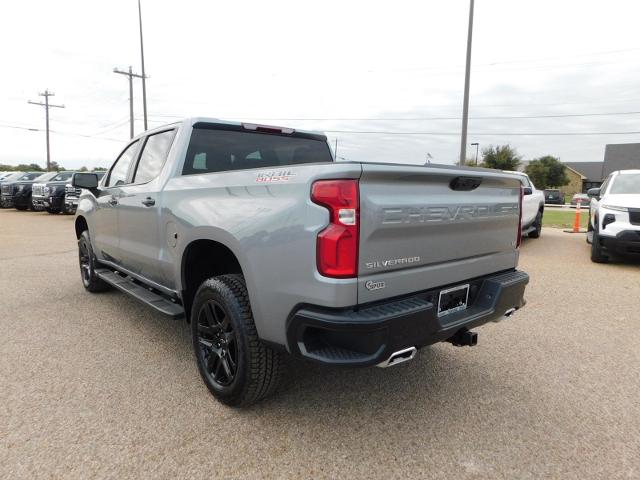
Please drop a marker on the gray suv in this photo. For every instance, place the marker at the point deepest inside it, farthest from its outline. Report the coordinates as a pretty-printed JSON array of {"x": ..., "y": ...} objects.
[{"x": 268, "y": 246}]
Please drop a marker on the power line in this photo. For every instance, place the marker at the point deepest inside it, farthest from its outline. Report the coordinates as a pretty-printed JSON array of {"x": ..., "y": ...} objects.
[
  {"x": 523, "y": 134},
  {"x": 33, "y": 129},
  {"x": 399, "y": 119},
  {"x": 47, "y": 106}
]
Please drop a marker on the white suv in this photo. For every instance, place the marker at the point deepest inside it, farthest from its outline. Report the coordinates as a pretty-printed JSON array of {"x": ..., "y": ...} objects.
[{"x": 614, "y": 225}]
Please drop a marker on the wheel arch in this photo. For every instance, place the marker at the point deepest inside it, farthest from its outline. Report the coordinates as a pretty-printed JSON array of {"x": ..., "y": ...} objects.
[
  {"x": 80, "y": 225},
  {"x": 201, "y": 259}
]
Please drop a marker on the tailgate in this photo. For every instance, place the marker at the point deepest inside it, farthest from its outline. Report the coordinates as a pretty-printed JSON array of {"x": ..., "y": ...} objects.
[{"x": 425, "y": 227}]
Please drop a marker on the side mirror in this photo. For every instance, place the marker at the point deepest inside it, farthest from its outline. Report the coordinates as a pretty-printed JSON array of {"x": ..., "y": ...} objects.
[
  {"x": 593, "y": 193},
  {"x": 527, "y": 191},
  {"x": 85, "y": 180}
]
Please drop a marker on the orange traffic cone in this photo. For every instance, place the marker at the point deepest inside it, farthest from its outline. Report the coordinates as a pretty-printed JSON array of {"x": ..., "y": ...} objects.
[{"x": 576, "y": 222}]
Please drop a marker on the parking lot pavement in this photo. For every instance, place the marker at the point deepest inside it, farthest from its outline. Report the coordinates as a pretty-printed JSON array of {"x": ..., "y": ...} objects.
[{"x": 100, "y": 386}]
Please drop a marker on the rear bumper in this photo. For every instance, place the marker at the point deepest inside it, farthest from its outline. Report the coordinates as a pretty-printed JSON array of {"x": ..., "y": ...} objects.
[
  {"x": 625, "y": 243},
  {"x": 368, "y": 335}
]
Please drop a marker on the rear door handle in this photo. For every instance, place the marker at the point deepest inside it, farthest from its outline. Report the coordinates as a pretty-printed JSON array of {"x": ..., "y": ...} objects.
[
  {"x": 148, "y": 202},
  {"x": 113, "y": 201}
]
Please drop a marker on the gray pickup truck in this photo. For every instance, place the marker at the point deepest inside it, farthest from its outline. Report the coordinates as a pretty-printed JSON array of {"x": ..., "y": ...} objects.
[{"x": 268, "y": 246}]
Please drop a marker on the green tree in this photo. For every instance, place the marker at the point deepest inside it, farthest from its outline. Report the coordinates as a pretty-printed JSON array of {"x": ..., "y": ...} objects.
[
  {"x": 546, "y": 172},
  {"x": 31, "y": 167},
  {"x": 501, "y": 157},
  {"x": 83, "y": 169},
  {"x": 100, "y": 169},
  {"x": 56, "y": 167}
]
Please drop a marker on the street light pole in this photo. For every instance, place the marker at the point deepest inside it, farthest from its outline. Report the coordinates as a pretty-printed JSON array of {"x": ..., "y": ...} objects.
[
  {"x": 477, "y": 146},
  {"x": 467, "y": 78},
  {"x": 144, "y": 83}
]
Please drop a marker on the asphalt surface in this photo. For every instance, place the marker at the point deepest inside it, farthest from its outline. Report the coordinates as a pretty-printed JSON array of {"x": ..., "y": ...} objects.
[{"x": 98, "y": 386}]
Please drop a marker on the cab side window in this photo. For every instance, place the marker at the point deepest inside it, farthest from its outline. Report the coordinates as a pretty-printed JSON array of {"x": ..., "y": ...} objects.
[
  {"x": 118, "y": 174},
  {"x": 153, "y": 156}
]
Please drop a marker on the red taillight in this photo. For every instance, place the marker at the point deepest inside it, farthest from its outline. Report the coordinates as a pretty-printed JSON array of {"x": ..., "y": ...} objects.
[
  {"x": 337, "y": 248},
  {"x": 519, "y": 239}
]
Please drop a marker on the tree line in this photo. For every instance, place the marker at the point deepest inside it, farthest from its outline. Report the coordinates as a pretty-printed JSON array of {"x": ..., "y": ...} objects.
[
  {"x": 545, "y": 172},
  {"x": 34, "y": 167}
]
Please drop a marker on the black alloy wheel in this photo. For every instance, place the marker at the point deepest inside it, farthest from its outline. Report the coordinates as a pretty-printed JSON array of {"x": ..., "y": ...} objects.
[
  {"x": 87, "y": 261},
  {"x": 217, "y": 345},
  {"x": 84, "y": 256}
]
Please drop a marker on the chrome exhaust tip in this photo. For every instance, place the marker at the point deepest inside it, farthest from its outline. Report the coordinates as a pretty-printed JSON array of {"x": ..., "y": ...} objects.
[
  {"x": 506, "y": 314},
  {"x": 399, "y": 357}
]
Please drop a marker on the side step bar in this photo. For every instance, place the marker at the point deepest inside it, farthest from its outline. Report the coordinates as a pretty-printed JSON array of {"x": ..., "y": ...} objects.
[{"x": 137, "y": 291}]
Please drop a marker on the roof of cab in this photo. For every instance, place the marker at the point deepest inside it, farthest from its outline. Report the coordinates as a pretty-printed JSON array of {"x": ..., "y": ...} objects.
[{"x": 191, "y": 121}]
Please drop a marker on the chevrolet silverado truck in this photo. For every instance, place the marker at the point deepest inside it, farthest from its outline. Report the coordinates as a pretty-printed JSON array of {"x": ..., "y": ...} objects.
[
  {"x": 268, "y": 246},
  {"x": 532, "y": 207},
  {"x": 49, "y": 194}
]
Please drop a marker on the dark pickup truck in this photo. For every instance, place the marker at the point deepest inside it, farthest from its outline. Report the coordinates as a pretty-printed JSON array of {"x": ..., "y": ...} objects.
[
  {"x": 17, "y": 191},
  {"x": 50, "y": 194}
]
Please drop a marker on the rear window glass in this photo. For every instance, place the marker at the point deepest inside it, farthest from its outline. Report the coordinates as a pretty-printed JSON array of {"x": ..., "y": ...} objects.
[
  {"x": 626, "y": 183},
  {"x": 222, "y": 150}
]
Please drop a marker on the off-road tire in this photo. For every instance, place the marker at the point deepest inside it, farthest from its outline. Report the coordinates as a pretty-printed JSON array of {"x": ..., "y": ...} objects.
[
  {"x": 22, "y": 208},
  {"x": 90, "y": 279},
  {"x": 596, "y": 249},
  {"x": 258, "y": 367},
  {"x": 537, "y": 223}
]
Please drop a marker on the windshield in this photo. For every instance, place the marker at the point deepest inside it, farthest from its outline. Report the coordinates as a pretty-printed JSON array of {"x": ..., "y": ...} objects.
[
  {"x": 13, "y": 176},
  {"x": 626, "y": 183},
  {"x": 60, "y": 177},
  {"x": 45, "y": 176},
  {"x": 30, "y": 176}
]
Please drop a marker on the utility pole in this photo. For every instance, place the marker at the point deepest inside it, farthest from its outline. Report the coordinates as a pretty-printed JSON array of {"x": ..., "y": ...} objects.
[
  {"x": 47, "y": 106},
  {"x": 144, "y": 83},
  {"x": 467, "y": 75},
  {"x": 129, "y": 74}
]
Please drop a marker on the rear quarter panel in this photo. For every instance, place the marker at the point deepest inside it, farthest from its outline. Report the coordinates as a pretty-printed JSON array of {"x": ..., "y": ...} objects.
[{"x": 270, "y": 227}]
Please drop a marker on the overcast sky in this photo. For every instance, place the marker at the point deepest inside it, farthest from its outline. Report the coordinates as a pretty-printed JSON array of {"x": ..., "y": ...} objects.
[{"x": 350, "y": 66}]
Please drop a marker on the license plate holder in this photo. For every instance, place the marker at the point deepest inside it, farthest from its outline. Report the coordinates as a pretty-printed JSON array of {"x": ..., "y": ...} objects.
[{"x": 453, "y": 300}]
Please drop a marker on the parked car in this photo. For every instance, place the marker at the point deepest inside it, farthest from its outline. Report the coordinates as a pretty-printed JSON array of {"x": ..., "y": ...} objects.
[
  {"x": 532, "y": 207},
  {"x": 72, "y": 194},
  {"x": 583, "y": 198},
  {"x": 267, "y": 246},
  {"x": 16, "y": 190},
  {"x": 10, "y": 177},
  {"x": 614, "y": 220},
  {"x": 553, "y": 196},
  {"x": 50, "y": 193}
]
